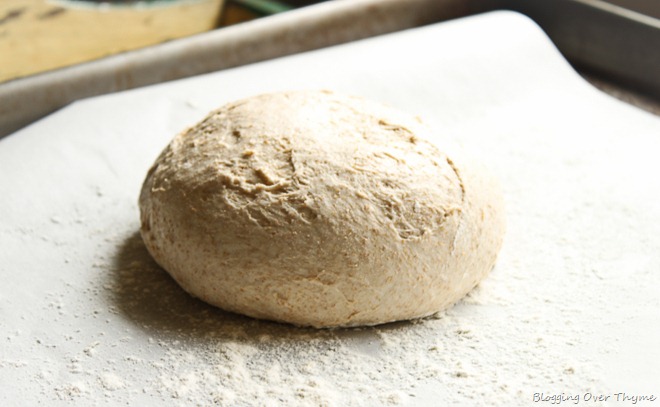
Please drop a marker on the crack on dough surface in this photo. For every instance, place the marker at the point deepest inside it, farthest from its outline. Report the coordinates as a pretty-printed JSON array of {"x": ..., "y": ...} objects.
[{"x": 259, "y": 171}]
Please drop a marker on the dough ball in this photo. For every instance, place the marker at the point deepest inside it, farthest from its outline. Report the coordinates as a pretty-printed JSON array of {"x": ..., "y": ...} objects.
[{"x": 320, "y": 210}]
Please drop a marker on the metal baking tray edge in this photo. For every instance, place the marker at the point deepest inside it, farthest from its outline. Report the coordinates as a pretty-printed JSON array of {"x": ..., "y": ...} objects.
[{"x": 590, "y": 33}]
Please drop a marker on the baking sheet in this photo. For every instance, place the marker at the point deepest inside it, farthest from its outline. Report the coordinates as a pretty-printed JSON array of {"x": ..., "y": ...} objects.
[
  {"x": 572, "y": 307},
  {"x": 25, "y": 100}
]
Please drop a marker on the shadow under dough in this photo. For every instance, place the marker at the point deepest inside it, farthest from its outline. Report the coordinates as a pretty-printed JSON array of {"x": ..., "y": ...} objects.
[{"x": 148, "y": 297}]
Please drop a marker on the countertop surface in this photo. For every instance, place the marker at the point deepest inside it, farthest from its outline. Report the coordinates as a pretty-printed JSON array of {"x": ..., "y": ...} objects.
[
  {"x": 572, "y": 308},
  {"x": 42, "y": 35}
]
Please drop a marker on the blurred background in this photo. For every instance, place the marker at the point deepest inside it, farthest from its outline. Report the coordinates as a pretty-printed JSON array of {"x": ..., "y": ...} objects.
[
  {"x": 46, "y": 45},
  {"x": 41, "y": 35}
]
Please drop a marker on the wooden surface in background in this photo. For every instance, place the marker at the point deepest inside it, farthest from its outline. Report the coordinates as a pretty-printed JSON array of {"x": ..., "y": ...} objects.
[{"x": 40, "y": 35}]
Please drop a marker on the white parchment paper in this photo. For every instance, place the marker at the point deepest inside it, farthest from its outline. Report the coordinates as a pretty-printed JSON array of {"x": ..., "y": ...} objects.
[{"x": 571, "y": 311}]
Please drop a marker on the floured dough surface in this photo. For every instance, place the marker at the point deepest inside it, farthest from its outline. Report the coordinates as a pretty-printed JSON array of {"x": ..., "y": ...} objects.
[{"x": 320, "y": 209}]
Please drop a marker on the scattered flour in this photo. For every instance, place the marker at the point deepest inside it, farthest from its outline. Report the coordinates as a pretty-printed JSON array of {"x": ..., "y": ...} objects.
[
  {"x": 193, "y": 354},
  {"x": 111, "y": 381}
]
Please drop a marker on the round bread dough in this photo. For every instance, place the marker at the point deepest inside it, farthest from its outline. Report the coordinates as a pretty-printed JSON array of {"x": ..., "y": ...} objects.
[{"x": 320, "y": 210}]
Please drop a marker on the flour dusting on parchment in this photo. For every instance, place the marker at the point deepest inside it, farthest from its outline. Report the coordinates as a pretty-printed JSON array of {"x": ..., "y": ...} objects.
[{"x": 195, "y": 354}]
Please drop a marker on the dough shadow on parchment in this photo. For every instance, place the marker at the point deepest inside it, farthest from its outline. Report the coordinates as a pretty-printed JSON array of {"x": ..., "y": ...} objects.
[{"x": 143, "y": 293}]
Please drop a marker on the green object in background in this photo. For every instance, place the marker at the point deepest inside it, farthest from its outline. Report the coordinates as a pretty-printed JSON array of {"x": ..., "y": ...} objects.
[{"x": 263, "y": 7}]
